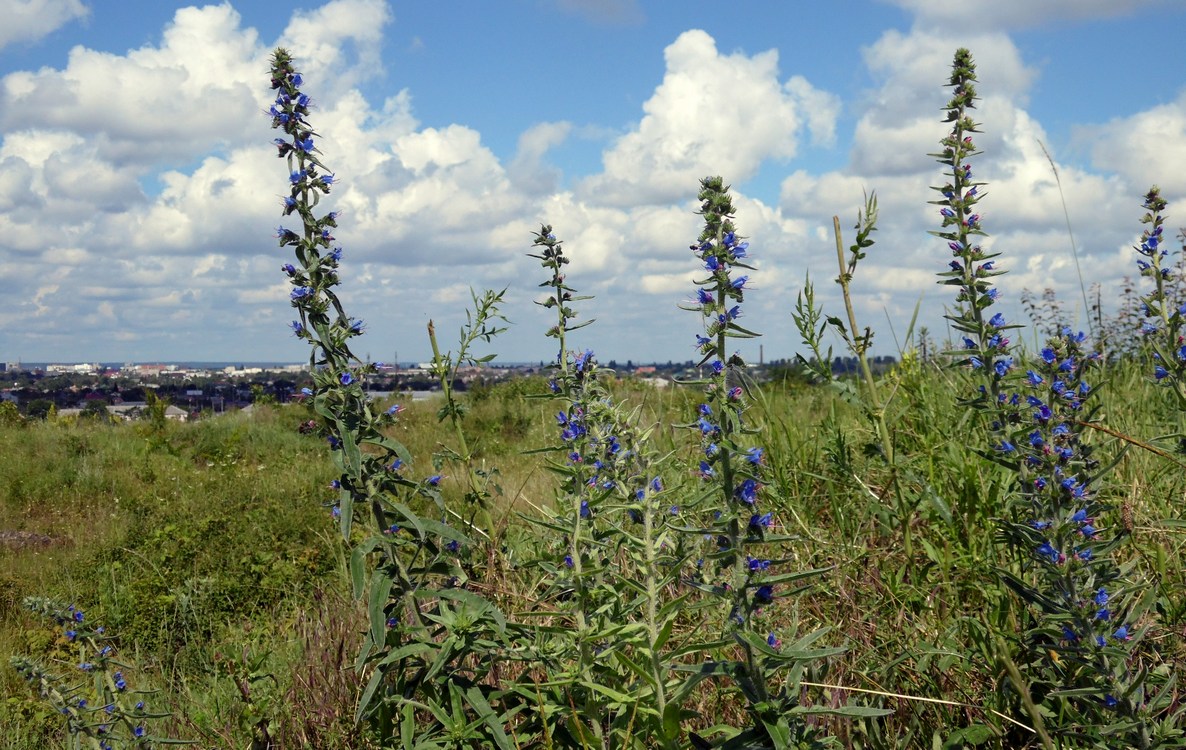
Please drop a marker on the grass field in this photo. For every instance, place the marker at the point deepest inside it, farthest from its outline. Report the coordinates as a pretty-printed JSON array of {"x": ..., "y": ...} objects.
[{"x": 209, "y": 550}]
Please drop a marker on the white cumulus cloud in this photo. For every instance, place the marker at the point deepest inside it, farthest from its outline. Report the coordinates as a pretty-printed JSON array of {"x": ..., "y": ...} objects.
[{"x": 29, "y": 20}]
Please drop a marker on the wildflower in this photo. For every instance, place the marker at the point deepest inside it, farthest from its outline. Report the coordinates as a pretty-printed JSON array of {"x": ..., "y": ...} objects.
[
  {"x": 747, "y": 491},
  {"x": 346, "y": 378},
  {"x": 764, "y": 594},
  {"x": 773, "y": 641},
  {"x": 434, "y": 480},
  {"x": 568, "y": 561},
  {"x": 1048, "y": 551},
  {"x": 761, "y": 521},
  {"x": 754, "y": 455},
  {"x": 297, "y": 328},
  {"x": 756, "y": 565}
]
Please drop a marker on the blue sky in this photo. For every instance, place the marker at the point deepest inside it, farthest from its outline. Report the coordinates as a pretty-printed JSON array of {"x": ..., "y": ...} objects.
[{"x": 138, "y": 195}]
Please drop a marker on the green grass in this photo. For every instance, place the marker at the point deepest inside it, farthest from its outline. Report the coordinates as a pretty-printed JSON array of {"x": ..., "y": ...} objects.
[{"x": 208, "y": 545}]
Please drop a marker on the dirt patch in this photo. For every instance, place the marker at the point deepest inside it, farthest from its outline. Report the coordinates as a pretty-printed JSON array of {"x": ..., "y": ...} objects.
[{"x": 29, "y": 540}]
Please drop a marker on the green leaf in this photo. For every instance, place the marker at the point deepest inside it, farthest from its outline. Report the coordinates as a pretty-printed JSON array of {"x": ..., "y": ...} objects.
[
  {"x": 780, "y": 734},
  {"x": 377, "y": 602},
  {"x": 482, "y": 708},
  {"x": 364, "y": 702},
  {"x": 974, "y": 734},
  {"x": 358, "y": 564}
]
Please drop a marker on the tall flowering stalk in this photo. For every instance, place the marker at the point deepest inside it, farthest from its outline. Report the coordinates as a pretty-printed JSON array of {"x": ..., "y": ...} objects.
[
  {"x": 1164, "y": 325},
  {"x": 431, "y": 646},
  {"x": 1080, "y": 641},
  {"x": 618, "y": 559},
  {"x": 732, "y": 469},
  {"x": 1085, "y": 635},
  {"x": 985, "y": 347}
]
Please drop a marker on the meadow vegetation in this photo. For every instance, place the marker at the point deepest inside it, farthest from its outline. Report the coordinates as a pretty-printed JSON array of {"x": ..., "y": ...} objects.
[{"x": 980, "y": 548}]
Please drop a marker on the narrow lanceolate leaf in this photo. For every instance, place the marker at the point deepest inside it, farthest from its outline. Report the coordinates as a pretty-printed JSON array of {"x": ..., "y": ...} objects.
[{"x": 380, "y": 591}]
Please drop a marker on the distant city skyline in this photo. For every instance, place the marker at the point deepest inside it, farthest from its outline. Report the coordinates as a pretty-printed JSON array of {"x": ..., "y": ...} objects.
[{"x": 140, "y": 193}]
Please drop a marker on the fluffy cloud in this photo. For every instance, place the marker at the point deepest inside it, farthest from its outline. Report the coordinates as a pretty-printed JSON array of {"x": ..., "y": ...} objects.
[
  {"x": 712, "y": 114},
  {"x": 1017, "y": 14},
  {"x": 30, "y": 20},
  {"x": 140, "y": 220},
  {"x": 1148, "y": 147}
]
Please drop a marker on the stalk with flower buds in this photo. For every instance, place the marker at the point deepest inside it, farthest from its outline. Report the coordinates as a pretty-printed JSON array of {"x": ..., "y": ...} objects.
[
  {"x": 1164, "y": 325},
  {"x": 737, "y": 571},
  {"x": 984, "y": 345},
  {"x": 619, "y": 557},
  {"x": 98, "y": 705},
  {"x": 426, "y": 631}
]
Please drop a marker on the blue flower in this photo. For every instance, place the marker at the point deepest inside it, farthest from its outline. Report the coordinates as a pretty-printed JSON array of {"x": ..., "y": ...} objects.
[
  {"x": 773, "y": 641},
  {"x": 568, "y": 561},
  {"x": 585, "y": 511},
  {"x": 761, "y": 521},
  {"x": 297, "y": 328},
  {"x": 997, "y": 320},
  {"x": 1048, "y": 551},
  {"x": 747, "y": 491},
  {"x": 434, "y": 480},
  {"x": 346, "y": 378},
  {"x": 764, "y": 594},
  {"x": 755, "y": 564},
  {"x": 300, "y": 293},
  {"x": 754, "y": 455}
]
